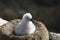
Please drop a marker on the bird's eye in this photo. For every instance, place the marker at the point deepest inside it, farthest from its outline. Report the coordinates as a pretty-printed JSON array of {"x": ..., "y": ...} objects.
[{"x": 27, "y": 18}]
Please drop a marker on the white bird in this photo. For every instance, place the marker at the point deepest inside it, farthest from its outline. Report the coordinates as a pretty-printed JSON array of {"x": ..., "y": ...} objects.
[{"x": 25, "y": 26}]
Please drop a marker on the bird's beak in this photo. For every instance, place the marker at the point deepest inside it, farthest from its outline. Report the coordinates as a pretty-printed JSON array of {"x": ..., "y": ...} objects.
[{"x": 31, "y": 20}]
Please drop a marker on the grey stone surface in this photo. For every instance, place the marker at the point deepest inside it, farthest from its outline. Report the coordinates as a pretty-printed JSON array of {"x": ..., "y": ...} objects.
[{"x": 54, "y": 36}]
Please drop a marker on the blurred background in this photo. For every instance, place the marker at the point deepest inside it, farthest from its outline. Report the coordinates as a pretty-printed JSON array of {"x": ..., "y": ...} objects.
[{"x": 46, "y": 11}]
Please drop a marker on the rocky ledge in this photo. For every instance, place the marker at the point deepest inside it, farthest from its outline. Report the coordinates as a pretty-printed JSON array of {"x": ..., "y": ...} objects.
[{"x": 6, "y": 32}]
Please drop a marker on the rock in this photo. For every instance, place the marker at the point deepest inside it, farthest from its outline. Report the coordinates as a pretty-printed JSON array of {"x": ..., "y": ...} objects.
[
  {"x": 54, "y": 36},
  {"x": 2, "y": 21},
  {"x": 41, "y": 32}
]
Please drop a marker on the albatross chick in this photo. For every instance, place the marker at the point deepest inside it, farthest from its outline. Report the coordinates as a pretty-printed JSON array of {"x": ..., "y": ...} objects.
[{"x": 25, "y": 26}]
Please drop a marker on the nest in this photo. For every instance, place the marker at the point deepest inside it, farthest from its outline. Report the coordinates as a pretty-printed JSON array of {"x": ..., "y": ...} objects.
[{"x": 6, "y": 32}]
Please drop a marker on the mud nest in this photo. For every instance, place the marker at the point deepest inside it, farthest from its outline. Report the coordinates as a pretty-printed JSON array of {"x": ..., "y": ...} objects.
[{"x": 6, "y": 32}]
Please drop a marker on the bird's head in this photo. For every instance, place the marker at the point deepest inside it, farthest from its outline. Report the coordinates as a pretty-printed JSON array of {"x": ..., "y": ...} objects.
[{"x": 27, "y": 16}]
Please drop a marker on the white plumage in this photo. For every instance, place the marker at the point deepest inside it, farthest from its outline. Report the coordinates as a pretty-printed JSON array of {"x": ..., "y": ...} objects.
[{"x": 25, "y": 26}]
